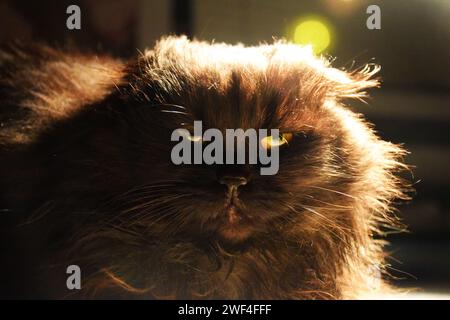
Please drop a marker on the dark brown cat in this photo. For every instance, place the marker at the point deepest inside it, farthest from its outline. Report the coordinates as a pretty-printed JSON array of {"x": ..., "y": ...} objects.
[{"x": 87, "y": 177}]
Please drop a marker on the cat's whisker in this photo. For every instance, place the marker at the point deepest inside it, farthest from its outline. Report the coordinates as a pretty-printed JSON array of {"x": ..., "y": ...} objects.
[
  {"x": 169, "y": 105},
  {"x": 145, "y": 204},
  {"x": 159, "y": 186},
  {"x": 328, "y": 203},
  {"x": 334, "y": 191},
  {"x": 179, "y": 221},
  {"x": 332, "y": 224},
  {"x": 159, "y": 213},
  {"x": 174, "y": 111},
  {"x": 157, "y": 209}
]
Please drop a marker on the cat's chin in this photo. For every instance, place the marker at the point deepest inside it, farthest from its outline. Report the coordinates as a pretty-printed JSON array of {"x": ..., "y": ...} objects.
[
  {"x": 235, "y": 234},
  {"x": 236, "y": 227}
]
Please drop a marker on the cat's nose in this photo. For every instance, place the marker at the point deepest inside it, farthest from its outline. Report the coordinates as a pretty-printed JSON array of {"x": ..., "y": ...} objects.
[{"x": 233, "y": 182}]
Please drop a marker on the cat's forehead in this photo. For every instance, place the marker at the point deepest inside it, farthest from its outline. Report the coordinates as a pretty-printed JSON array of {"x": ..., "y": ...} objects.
[
  {"x": 281, "y": 96},
  {"x": 248, "y": 100}
]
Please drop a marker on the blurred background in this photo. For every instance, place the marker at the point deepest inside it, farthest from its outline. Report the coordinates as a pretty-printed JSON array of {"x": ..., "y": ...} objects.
[{"x": 412, "y": 106}]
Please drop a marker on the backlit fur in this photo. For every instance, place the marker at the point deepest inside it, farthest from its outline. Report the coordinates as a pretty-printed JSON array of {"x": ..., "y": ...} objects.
[{"x": 87, "y": 179}]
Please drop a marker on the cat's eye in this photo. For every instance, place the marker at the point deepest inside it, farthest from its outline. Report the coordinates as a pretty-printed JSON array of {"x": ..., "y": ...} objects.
[
  {"x": 195, "y": 138},
  {"x": 272, "y": 142}
]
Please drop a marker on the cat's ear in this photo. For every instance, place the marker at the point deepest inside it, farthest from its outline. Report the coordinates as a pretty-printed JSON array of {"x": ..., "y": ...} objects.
[
  {"x": 352, "y": 84},
  {"x": 40, "y": 86}
]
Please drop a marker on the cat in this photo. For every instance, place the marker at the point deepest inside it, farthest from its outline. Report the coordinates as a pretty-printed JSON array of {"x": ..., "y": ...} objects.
[{"x": 87, "y": 177}]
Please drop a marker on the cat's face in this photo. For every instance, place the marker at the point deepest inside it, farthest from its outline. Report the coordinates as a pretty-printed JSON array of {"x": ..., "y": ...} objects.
[{"x": 235, "y": 203}]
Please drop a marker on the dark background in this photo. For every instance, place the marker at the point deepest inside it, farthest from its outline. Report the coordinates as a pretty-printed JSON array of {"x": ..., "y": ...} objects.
[{"x": 412, "y": 106}]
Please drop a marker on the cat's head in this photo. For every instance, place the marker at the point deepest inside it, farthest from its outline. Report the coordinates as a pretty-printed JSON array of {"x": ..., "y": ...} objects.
[{"x": 330, "y": 162}]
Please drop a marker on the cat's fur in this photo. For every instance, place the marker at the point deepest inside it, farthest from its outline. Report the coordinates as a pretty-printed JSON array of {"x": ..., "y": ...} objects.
[{"x": 87, "y": 179}]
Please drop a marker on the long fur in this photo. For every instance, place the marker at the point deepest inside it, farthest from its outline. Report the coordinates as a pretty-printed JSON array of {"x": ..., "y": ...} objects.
[{"x": 87, "y": 176}]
